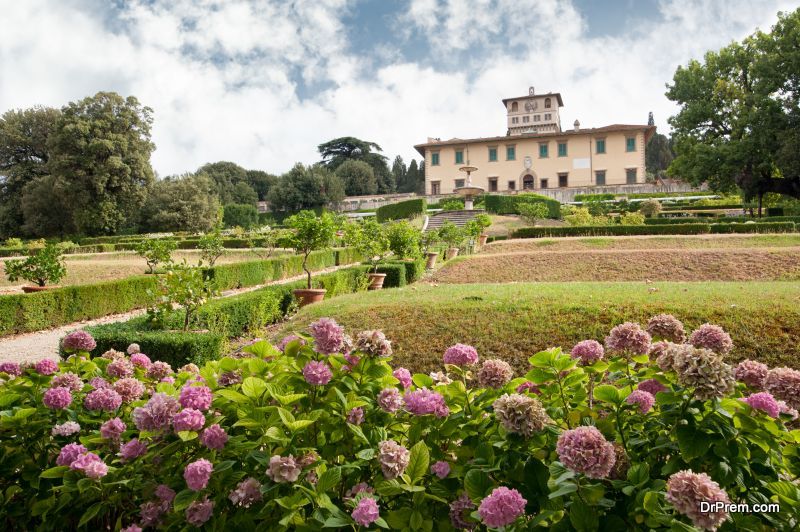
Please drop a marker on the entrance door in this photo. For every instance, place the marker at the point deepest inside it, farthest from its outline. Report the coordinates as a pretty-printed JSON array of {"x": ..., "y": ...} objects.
[
  {"x": 527, "y": 182},
  {"x": 435, "y": 188}
]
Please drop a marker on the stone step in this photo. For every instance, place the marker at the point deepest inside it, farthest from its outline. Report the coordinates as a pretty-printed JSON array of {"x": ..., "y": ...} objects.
[{"x": 457, "y": 218}]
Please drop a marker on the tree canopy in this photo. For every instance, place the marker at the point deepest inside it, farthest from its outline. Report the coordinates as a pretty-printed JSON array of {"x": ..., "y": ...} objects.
[
  {"x": 358, "y": 178},
  {"x": 180, "y": 203},
  {"x": 739, "y": 122},
  {"x": 335, "y": 152},
  {"x": 305, "y": 187}
]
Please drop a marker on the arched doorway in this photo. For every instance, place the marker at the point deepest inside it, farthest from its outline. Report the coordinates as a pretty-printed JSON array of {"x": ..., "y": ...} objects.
[{"x": 527, "y": 182}]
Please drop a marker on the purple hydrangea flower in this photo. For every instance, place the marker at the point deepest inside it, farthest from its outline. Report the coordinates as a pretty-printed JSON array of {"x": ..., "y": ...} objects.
[
  {"x": 393, "y": 458},
  {"x": 317, "y": 373},
  {"x": 424, "y": 401},
  {"x": 90, "y": 465},
  {"x": 686, "y": 490},
  {"x": 57, "y": 398},
  {"x": 67, "y": 380},
  {"x": 355, "y": 416},
  {"x": 404, "y": 376},
  {"x": 784, "y": 385},
  {"x": 157, "y": 413},
  {"x": 667, "y": 327},
  {"x": 651, "y": 386},
  {"x": 120, "y": 368},
  {"x": 366, "y": 511},
  {"x": 78, "y": 341},
  {"x": 214, "y": 437},
  {"x": 197, "y": 397},
  {"x": 643, "y": 399},
  {"x": 588, "y": 352},
  {"x": 67, "y": 428},
  {"x": 158, "y": 370},
  {"x": 390, "y": 400},
  {"x": 373, "y": 343},
  {"x": 328, "y": 336},
  {"x": 199, "y": 512},
  {"x": 765, "y": 402},
  {"x": 495, "y": 373},
  {"x": 140, "y": 360},
  {"x": 246, "y": 493},
  {"x": 46, "y": 367},
  {"x": 460, "y": 355},
  {"x": 98, "y": 382},
  {"x": 441, "y": 469},
  {"x": 460, "y": 510},
  {"x": 528, "y": 386},
  {"x": 283, "y": 469},
  {"x": 112, "y": 429},
  {"x": 165, "y": 493},
  {"x": 69, "y": 453},
  {"x": 133, "y": 449},
  {"x": 752, "y": 373},
  {"x": 197, "y": 474},
  {"x": 102, "y": 399},
  {"x": 287, "y": 339},
  {"x": 585, "y": 450},
  {"x": 229, "y": 378},
  {"x": 130, "y": 389},
  {"x": 628, "y": 338},
  {"x": 361, "y": 487},
  {"x": 12, "y": 368},
  {"x": 131, "y": 528},
  {"x": 188, "y": 419},
  {"x": 711, "y": 337},
  {"x": 502, "y": 507}
]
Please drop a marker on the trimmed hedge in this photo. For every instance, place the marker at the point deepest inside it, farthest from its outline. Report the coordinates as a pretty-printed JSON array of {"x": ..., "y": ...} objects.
[
  {"x": 612, "y": 230},
  {"x": 347, "y": 256},
  {"x": 499, "y": 204},
  {"x": 668, "y": 207},
  {"x": 721, "y": 219},
  {"x": 414, "y": 269},
  {"x": 395, "y": 274},
  {"x": 767, "y": 227},
  {"x": 251, "y": 273},
  {"x": 594, "y": 197},
  {"x": 401, "y": 210}
]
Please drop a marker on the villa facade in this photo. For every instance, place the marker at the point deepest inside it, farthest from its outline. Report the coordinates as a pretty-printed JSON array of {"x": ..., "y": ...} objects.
[{"x": 536, "y": 154}]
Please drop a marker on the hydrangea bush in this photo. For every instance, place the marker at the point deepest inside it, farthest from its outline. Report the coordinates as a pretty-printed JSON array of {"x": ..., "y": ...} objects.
[{"x": 327, "y": 433}]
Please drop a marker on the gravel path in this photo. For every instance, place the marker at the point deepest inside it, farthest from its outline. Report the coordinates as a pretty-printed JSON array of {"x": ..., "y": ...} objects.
[{"x": 32, "y": 347}]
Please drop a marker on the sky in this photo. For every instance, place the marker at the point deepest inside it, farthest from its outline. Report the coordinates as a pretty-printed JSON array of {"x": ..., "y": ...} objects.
[{"x": 263, "y": 82}]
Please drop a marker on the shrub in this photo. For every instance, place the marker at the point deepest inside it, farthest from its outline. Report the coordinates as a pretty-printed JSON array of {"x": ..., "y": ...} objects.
[
  {"x": 631, "y": 218},
  {"x": 531, "y": 212},
  {"x": 13, "y": 243},
  {"x": 451, "y": 204},
  {"x": 401, "y": 210},
  {"x": 42, "y": 267},
  {"x": 156, "y": 251},
  {"x": 311, "y": 233},
  {"x": 767, "y": 227},
  {"x": 404, "y": 239},
  {"x": 369, "y": 238},
  {"x": 212, "y": 246},
  {"x": 183, "y": 286},
  {"x": 478, "y": 445},
  {"x": 414, "y": 270},
  {"x": 650, "y": 208},
  {"x": 236, "y": 215},
  {"x": 612, "y": 230},
  {"x": 580, "y": 216},
  {"x": 451, "y": 235},
  {"x": 594, "y": 197},
  {"x": 251, "y": 273},
  {"x": 499, "y": 204}
]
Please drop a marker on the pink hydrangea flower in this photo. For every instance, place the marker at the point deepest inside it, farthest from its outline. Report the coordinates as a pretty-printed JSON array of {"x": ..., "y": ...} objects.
[
  {"x": 120, "y": 368},
  {"x": 67, "y": 380},
  {"x": 133, "y": 449},
  {"x": 197, "y": 474},
  {"x": 404, "y": 376},
  {"x": 158, "y": 370},
  {"x": 784, "y": 385},
  {"x": 287, "y": 339},
  {"x": 686, "y": 490},
  {"x": 667, "y": 327},
  {"x": 165, "y": 493},
  {"x": 102, "y": 399},
  {"x": 112, "y": 429},
  {"x": 168, "y": 380},
  {"x": 317, "y": 373},
  {"x": 588, "y": 352},
  {"x": 199, "y": 512},
  {"x": 133, "y": 349},
  {"x": 214, "y": 437},
  {"x": 352, "y": 362},
  {"x": 130, "y": 389},
  {"x": 157, "y": 413},
  {"x": 283, "y": 469},
  {"x": 98, "y": 382},
  {"x": 789, "y": 411},
  {"x": 528, "y": 386},
  {"x": 229, "y": 378},
  {"x": 651, "y": 386},
  {"x": 12, "y": 368},
  {"x": 460, "y": 510},
  {"x": 752, "y": 373},
  {"x": 355, "y": 416},
  {"x": 188, "y": 419},
  {"x": 460, "y": 355},
  {"x": 361, "y": 487},
  {"x": 765, "y": 402},
  {"x": 441, "y": 469},
  {"x": 328, "y": 336},
  {"x": 628, "y": 338},
  {"x": 197, "y": 397},
  {"x": 424, "y": 401},
  {"x": 46, "y": 367},
  {"x": 585, "y": 450},
  {"x": 501, "y": 507},
  {"x": 366, "y": 511},
  {"x": 57, "y": 398},
  {"x": 643, "y": 399},
  {"x": 495, "y": 373},
  {"x": 90, "y": 465},
  {"x": 711, "y": 337},
  {"x": 132, "y": 528},
  {"x": 393, "y": 458},
  {"x": 67, "y": 428},
  {"x": 140, "y": 360},
  {"x": 78, "y": 341},
  {"x": 373, "y": 343},
  {"x": 69, "y": 453},
  {"x": 246, "y": 493},
  {"x": 390, "y": 400}
]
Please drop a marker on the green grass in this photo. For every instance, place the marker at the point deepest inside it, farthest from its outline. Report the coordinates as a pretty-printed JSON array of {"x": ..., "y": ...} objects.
[{"x": 513, "y": 321}]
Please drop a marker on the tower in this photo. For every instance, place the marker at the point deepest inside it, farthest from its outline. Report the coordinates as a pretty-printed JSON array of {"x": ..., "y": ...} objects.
[{"x": 534, "y": 113}]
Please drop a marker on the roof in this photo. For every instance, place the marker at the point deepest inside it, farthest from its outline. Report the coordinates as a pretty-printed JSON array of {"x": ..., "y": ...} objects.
[
  {"x": 649, "y": 131},
  {"x": 529, "y": 96}
]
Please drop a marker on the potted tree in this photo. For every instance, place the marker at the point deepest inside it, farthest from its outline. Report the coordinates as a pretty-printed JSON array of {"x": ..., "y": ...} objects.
[
  {"x": 310, "y": 234},
  {"x": 452, "y": 236},
  {"x": 370, "y": 240},
  {"x": 41, "y": 267},
  {"x": 483, "y": 222},
  {"x": 428, "y": 240}
]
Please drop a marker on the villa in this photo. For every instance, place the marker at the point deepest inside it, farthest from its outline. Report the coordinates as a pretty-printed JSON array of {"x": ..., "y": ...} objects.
[{"x": 535, "y": 153}]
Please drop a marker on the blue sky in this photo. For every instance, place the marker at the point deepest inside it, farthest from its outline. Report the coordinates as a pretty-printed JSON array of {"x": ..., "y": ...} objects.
[{"x": 263, "y": 82}]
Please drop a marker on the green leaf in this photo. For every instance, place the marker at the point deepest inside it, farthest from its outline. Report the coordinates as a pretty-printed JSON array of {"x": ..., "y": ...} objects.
[
  {"x": 262, "y": 349},
  {"x": 8, "y": 399},
  {"x": 183, "y": 499},
  {"x": 90, "y": 513},
  {"x": 231, "y": 395},
  {"x": 336, "y": 522},
  {"x": 583, "y": 517},
  {"x": 285, "y": 416},
  {"x": 607, "y": 393},
  {"x": 422, "y": 380},
  {"x": 299, "y": 425},
  {"x": 416, "y": 520},
  {"x": 398, "y": 519},
  {"x": 187, "y": 435},
  {"x": 693, "y": 443},
  {"x": 565, "y": 489},
  {"x": 286, "y": 400},
  {"x": 253, "y": 387},
  {"x": 54, "y": 472},
  {"x": 224, "y": 466},
  {"x": 24, "y": 413},
  {"x": 366, "y": 454},
  {"x": 418, "y": 462},
  {"x": 542, "y": 359},
  {"x": 329, "y": 479},
  {"x": 639, "y": 474},
  {"x": 477, "y": 483}
]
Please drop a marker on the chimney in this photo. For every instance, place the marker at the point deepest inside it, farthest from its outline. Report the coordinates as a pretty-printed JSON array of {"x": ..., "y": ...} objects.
[{"x": 577, "y": 125}]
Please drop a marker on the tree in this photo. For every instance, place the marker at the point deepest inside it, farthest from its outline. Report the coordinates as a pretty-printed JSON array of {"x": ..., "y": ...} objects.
[
  {"x": 41, "y": 267},
  {"x": 261, "y": 182},
  {"x": 404, "y": 239},
  {"x": 156, "y": 251},
  {"x": 212, "y": 245},
  {"x": 305, "y": 187},
  {"x": 658, "y": 155},
  {"x": 24, "y": 135},
  {"x": 740, "y": 113},
  {"x": 420, "y": 182},
  {"x": 46, "y": 208},
  {"x": 236, "y": 215},
  {"x": 358, "y": 178},
  {"x": 410, "y": 184},
  {"x": 311, "y": 232},
  {"x": 101, "y": 147},
  {"x": 180, "y": 203},
  {"x": 531, "y": 212},
  {"x": 225, "y": 176},
  {"x": 337, "y": 151},
  {"x": 244, "y": 194},
  {"x": 400, "y": 174},
  {"x": 369, "y": 239}
]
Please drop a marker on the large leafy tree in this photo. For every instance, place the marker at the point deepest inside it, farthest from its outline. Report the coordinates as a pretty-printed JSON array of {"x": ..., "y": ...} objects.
[
  {"x": 225, "y": 175},
  {"x": 335, "y": 152},
  {"x": 658, "y": 155},
  {"x": 740, "y": 114},
  {"x": 261, "y": 182},
  {"x": 358, "y": 178},
  {"x": 101, "y": 148},
  {"x": 305, "y": 187},
  {"x": 181, "y": 203},
  {"x": 24, "y": 156}
]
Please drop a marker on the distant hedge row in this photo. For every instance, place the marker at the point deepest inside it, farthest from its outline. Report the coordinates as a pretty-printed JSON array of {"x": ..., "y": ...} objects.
[
  {"x": 499, "y": 204},
  {"x": 720, "y": 219},
  {"x": 401, "y": 210},
  {"x": 677, "y": 229}
]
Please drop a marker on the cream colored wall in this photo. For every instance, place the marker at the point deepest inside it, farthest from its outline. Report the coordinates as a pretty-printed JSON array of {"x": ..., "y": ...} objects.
[{"x": 579, "y": 146}]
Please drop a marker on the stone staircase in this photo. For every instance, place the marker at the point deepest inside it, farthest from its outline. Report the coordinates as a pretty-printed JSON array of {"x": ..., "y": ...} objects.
[{"x": 458, "y": 218}]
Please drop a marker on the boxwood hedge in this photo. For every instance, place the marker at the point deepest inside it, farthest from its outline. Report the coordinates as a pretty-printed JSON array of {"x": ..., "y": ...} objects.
[
  {"x": 401, "y": 210},
  {"x": 669, "y": 229},
  {"x": 501, "y": 204}
]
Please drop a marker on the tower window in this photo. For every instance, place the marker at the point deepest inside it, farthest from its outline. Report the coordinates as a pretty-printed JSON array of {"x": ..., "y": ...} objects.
[
  {"x": 547, "y": 103},
  {"x": 514, "y": 107}
]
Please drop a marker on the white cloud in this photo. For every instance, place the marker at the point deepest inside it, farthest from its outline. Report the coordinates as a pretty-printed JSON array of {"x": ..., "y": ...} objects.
[{"x": 222, "y": 75}]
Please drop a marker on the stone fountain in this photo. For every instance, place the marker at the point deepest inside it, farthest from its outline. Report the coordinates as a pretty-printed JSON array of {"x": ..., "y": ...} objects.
[{"x": 469, "y": 191}]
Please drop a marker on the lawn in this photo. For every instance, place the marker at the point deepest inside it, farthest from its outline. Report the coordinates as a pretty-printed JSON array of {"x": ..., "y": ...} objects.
[
  {"x": 96, "y": 267},
  {"x": 513, "y": 321}
]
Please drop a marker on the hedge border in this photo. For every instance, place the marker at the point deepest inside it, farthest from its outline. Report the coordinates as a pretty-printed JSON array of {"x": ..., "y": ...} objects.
[
  {"x": 721, "y": 219},
  {"x": 676, "y": 229},
  {"x": 401, "y": 210},
  {"x": 500, "y": 204}
]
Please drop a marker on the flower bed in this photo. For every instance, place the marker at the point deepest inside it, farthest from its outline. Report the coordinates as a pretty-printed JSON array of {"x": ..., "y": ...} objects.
[{"x": 324, "y": 432}]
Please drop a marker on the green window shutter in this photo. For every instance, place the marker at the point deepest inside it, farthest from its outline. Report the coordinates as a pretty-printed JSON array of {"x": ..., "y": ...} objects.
[
  {"x": 630, "y": 144},
  {"x": 492, "y": 154},
  {"x": 511, "y": 153},
  {"x": 434, "y": 159},
  {"x": 542, "y": 150},
  {"x": 601, "y": 146},
  {"x": 459, "y": 157},
  {"x": 562, "y": 149}
]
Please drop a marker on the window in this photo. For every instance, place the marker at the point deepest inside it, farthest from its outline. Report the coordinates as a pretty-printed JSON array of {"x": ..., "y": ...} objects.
[
  {"x": 514, "y": 107},
  {"x": 435, "y": 188},
  {"x": 542, "y": 150},
  {"x": 600, "y": 177},
  {"x": 492, "y": 184},
  {"x": 630, "y": 176},
  {"x": 548, "y": 116},
  {"x": 459, "y": 183},
  {"x": 515, "y": 120},
  {"x": 526, "y": 119},
  {"x": 492, "y": 155},
  {"x": 562, "y": 180},
  {"x": 537, "y": 118},
  {"x": 600, "y": 145},
  {"x": 459, "y": 157},
  {"x": 547, "y": 103},
  {"x": 543, "y": 183},
  {"x": 630, "y": 144},
  {"x": 562, "y": 149},
  {"x": 511, "y": 153},
  {"x": 435, "y": 158},
  {"x": 512, "y": 185}
]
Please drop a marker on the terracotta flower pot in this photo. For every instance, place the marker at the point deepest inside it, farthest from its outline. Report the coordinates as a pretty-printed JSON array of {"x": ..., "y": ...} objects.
[
  {"x": 452, "y": 253},
  {"x": 431, "y": 260},
  {"x": 376, "y": 281},
  {"x": 306, "y": 296},
  {"x": 32, "y": 289},
  {"x": 482, "y": 240}
]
